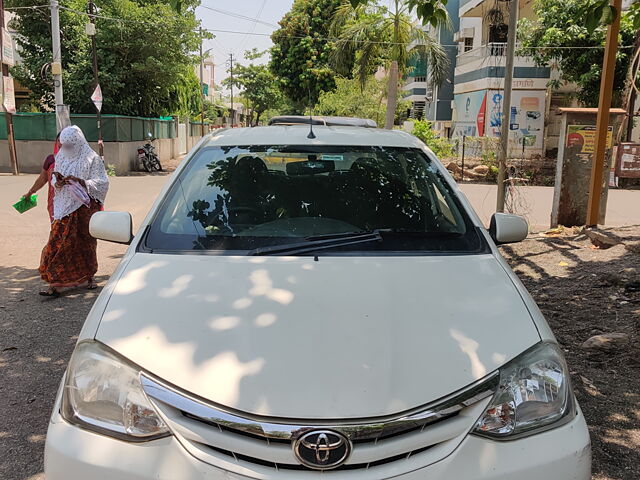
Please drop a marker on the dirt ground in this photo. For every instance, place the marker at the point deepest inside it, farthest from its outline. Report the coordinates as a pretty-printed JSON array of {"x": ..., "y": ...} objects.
[{"x": 584, "y": 291}]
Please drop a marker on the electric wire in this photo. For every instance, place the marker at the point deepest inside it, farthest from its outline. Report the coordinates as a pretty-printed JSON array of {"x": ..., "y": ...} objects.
[
  {"x": 330, "y": 39},
  {"x": 239, "y": 16},
  {"x": 253, "y": 27}
]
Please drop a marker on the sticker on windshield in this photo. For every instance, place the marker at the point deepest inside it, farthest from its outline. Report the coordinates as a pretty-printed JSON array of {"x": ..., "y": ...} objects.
[{"x": 333, "y": 158}]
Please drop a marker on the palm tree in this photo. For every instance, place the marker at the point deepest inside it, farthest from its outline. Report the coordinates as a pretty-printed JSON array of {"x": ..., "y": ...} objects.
[{"x": 378, "y": 35}]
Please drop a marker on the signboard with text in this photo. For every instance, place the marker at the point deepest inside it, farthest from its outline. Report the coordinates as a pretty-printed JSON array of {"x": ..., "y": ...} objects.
[
  {"x": 628, "y": 161},
  {"x": 585, "y": 137},
  {"x": 96, "y": 98},
  {"x": 8, "y": 57}
]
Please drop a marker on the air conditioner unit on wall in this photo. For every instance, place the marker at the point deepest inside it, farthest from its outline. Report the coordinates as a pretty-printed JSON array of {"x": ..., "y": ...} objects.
[{"x": 464, "y": 33}]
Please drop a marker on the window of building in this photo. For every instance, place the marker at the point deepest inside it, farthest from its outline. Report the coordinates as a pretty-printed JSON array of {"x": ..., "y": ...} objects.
[
  {"x": 468, "y": 44},
  {"x": 420, "y": 79}
]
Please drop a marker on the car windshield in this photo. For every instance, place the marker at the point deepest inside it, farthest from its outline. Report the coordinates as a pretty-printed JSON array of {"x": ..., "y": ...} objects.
[{"x": 243, "y": 198}]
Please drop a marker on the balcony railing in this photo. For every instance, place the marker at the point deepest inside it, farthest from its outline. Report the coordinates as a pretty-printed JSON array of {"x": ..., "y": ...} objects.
[{"x": 497, "y": 50}]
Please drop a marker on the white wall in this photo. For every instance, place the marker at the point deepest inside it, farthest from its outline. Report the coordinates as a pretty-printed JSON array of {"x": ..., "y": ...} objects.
[
  {"x": 476, "y": 24},
  {"x": 122, "y": 155}
]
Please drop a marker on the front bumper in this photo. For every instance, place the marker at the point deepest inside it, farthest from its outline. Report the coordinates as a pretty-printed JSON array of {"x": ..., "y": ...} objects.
[{"x": 75, "y": 454}]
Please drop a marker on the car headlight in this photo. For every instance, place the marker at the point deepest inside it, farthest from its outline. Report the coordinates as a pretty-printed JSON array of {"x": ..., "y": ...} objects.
[
  {"x": 102, "y": 392},
  {"x": 534, "y": 393}
]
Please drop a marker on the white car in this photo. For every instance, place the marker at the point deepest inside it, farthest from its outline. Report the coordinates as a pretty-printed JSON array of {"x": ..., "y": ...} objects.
[{"x": 299, "y": 306}]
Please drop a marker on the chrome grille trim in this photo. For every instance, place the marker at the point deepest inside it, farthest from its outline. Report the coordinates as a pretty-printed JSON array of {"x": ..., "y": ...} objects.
[{"x": 364, "y": 430}]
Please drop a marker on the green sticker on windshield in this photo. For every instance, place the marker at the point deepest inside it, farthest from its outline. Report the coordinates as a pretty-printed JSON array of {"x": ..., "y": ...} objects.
[{"x": 333, "y": 158}]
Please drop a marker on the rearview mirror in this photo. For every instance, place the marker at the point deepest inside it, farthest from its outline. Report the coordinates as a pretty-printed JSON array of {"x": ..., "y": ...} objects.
[
  {"x": 114, "y": 227},
  {"x": 508, "y": 228},
  {"x": 310, "y": 167}
]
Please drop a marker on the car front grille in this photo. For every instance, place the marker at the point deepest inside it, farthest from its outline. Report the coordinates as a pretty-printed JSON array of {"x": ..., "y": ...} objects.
[{"x": 263, "y": 448}]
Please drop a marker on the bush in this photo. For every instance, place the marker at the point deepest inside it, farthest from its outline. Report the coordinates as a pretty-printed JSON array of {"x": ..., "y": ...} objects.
[{"x": 440, "y": 146}]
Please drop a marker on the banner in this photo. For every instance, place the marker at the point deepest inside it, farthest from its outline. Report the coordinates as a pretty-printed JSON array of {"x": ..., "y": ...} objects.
[{"x": 9, "y": 97}]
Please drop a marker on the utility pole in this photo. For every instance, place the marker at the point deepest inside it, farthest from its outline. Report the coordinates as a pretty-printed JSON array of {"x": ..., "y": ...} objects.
[
  {"x": 602, "y": 121},
  {"x": 96, "y": 81},
  {"x": 201, "y": 85},
  {"x": 9, "y": 115},
  {"x": 506, "y": 106},
  {"x": 56, "y": 65},
  {"x": 233, "y": 115}
]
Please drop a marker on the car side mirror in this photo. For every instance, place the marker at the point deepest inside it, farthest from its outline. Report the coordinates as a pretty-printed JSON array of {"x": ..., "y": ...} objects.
[
  {"x": 508, "y": 228},
  {"x": 114, "y": 227}
]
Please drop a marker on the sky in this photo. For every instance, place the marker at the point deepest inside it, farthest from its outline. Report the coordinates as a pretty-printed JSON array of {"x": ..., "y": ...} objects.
[{"x": 267, "y": 12}]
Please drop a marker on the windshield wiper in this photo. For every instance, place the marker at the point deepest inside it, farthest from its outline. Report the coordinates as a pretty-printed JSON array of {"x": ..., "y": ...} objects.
[{"x": 319, "y": 243}]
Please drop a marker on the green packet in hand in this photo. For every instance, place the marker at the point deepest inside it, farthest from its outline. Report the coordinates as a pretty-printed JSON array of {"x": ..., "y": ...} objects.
[{"x": 25, "y": 203}]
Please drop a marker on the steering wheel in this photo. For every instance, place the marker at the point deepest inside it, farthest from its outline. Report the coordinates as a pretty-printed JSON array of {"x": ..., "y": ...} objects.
[{"x": 239, "y": 210}]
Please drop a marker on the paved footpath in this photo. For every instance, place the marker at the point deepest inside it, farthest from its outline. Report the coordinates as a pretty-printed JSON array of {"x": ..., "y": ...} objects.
[{"x": 37, "y": 335}]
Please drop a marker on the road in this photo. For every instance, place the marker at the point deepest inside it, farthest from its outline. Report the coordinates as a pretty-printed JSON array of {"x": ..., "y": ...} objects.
[{"x": 37, "y": 335}]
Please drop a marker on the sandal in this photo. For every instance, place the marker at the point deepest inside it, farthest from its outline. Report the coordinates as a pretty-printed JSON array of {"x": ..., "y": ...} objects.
[
  {"x": 91, "y": 285},
  {"x": 50, "y": 292}
]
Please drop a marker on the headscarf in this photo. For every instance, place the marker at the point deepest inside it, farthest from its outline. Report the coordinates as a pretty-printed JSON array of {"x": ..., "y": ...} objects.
[
  {"x": 56, "y": 145},
  {"x": 82, "y": 162}
]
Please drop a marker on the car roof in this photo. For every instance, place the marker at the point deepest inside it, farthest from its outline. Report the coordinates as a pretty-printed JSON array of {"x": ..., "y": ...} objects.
[{"x": 324, "y": 135}]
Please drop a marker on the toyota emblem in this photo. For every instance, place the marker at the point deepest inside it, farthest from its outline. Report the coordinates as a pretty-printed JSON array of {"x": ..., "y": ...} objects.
[{"x": 322, "y": 449}]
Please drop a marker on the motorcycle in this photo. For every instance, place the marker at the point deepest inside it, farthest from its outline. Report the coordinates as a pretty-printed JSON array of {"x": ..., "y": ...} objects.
[{"x": 147, "y": 157}]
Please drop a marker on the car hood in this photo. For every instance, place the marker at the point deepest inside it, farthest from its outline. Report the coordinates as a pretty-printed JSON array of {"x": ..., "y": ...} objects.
[{"x": 336, "y": 338}]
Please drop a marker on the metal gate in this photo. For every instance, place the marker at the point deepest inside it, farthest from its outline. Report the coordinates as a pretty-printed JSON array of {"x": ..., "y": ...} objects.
[{"x": 182, "y": 138}]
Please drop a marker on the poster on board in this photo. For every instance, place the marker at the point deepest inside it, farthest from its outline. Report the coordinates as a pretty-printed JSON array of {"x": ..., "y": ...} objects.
[
  {"x": 585, "y": 137},
  {"x": 470, "y": 114},
  {"x": 526, "y": 120}
]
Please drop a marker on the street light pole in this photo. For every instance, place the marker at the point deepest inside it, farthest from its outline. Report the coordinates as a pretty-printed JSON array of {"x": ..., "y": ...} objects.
[
  {"x": 96, "y": 81},
  {"x": 233, "y": 114},
  {"x": 9, "y": 116},
  {"x": 506, "y": 106},
  {"x": 56, "y": 65},
  {"x": 201, "y": 85}
]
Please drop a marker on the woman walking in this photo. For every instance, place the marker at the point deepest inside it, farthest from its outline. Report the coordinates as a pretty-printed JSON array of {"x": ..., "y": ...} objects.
[{"x": 81, "y": 183}]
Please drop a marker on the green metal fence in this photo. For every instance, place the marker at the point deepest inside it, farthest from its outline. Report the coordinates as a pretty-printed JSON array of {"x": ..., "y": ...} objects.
[
  {"x": 196, "y": 128},
  {"x": 115, "y": 128}
]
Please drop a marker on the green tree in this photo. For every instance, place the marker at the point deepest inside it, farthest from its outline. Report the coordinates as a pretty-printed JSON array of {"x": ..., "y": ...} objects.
[
  {"x": 377, "y": 34},
  {"x": 259, "y": 87},
  {"x": 300, "y": 55},
  {"x": 145, "y": 60},
  {"x": 579, "y": 52},
  {"x": 350, "y": 99},
  {"x": 597, "y": 12},
  {"x": 442, "y": 147}
]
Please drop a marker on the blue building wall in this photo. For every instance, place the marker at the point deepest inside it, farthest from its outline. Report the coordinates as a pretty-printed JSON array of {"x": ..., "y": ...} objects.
[{"x": 439, "y": 109}]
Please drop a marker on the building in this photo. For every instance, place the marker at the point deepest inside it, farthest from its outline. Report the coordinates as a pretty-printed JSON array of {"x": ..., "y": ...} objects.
[
  {"x": 22, "y": 93},
  {"x": 208, "y": 76},
  {"x": 479, "y": 82},
  {"x": 469, "y": 102},
  {"x": 433, "y": 102}
]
